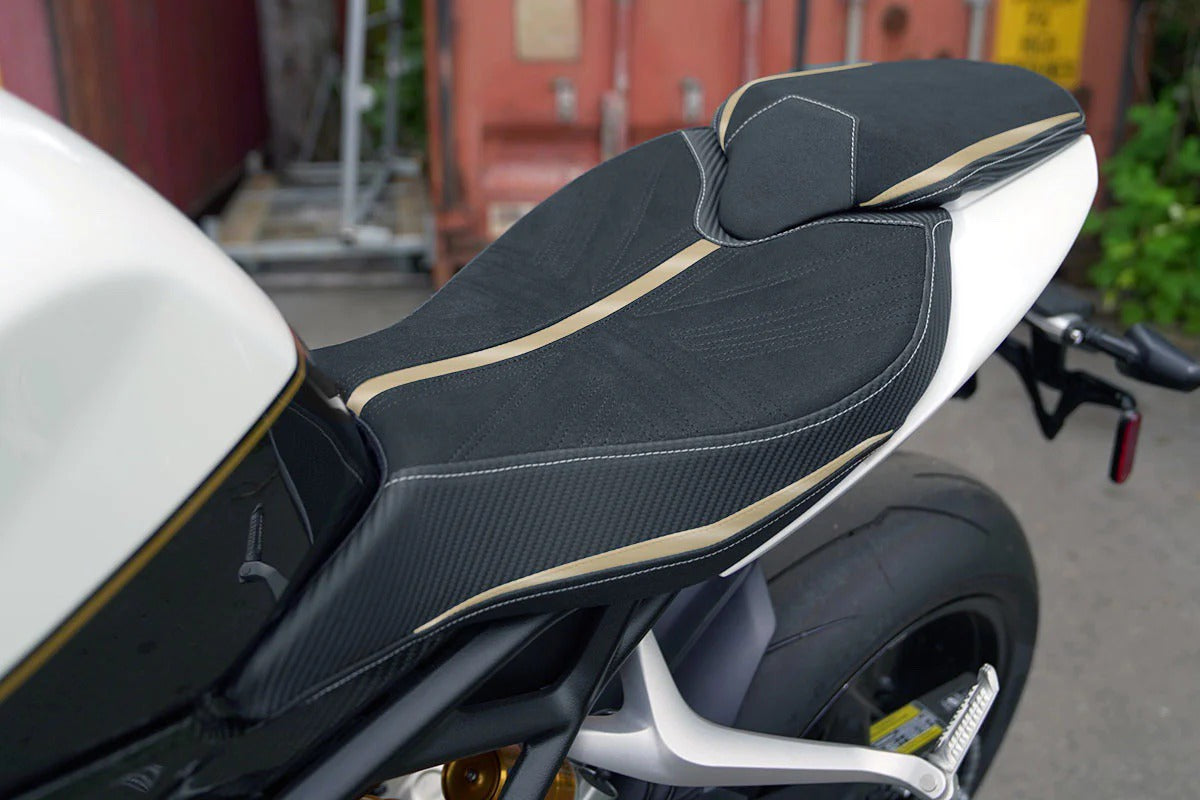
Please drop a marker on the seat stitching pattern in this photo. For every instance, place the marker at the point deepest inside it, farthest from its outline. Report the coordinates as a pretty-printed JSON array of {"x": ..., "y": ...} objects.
[
  {"x": 853, "y": 132},
  {"x": 796, "y": 335},
  {"x": 772, "y": 318},
  {"x": 397, "y": 650},
  {"x": 713, "y": 392},
  {"x": 498, "y": 413},
  {"x": 744, "y": 242},
  {"x": 748, "y": 331},
  {"x": 383, "y": 398},
  {"x": 388, "y": 656},
  {"x": 707, "y": 448},
  {"x": 948, "y": 187},
  {"x": 615, "y": 276},
  {"x": 792, "y": 273},
  {"x": 672, "y": 289}
]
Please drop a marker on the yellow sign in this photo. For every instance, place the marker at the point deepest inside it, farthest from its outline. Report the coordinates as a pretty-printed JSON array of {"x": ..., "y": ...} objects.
[{"x": 1045, "y": 36}]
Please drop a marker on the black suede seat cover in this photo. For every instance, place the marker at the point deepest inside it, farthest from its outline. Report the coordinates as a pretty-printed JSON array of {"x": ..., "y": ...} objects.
[{"x": 627, "y": 407}]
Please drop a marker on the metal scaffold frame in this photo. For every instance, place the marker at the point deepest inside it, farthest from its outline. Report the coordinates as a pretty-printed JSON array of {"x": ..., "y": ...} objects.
[{"x": 349, "y": 196}]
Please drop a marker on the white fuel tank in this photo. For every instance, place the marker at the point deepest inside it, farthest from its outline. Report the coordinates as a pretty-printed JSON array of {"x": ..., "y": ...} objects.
[{"x": 133, "y": 356}]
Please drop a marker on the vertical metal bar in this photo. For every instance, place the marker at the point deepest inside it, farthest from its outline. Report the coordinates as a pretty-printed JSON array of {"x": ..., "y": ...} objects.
[
  {"x": 445, "y": 72},
  {"x": 621, "y": 46},
  {"x": 320, "y": 105},
  {"x": 393, "y": 66},
  {"x": 751, "y": 31},
  {"x": 614, "y": 133},
  {"x": 978, "y": 26},
  {"x": 854, "y": 16},
  {"x": 352, "y": 75},
  {"x": 799, "y": 60},
  {"x": 1125, "y": 92}
]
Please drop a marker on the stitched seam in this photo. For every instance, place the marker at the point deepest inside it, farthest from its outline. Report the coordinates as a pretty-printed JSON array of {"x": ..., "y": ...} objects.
[
  {"x": 740, "y": 538},
  {"x": 707, "y": 448},
  {"x": 770, "y": 319},
  {"x": 679, "y": 285},
  {"x": 336, "y": 447},
  {"x": 1026, "y": 149},
  {"x": 797, "y": 336},
  {"x": 480, "y": 372},
  {"x": 853, "y": 130},
  {"x": 515, "y": 398},
  {"x": 703, "y": 179},
  {"x": 777, "y": 278},
  {"x": 736, "y": 338},
  {"x": 615, "y": 279},
  {"x": 546, "y": 592},
  {"x": 744, "y": 242}
]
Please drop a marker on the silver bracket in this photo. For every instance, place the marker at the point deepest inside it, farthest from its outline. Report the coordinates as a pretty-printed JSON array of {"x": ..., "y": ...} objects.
[
  {"x": 1063, "y": 328},
  {"x": 655, "y": 736}
]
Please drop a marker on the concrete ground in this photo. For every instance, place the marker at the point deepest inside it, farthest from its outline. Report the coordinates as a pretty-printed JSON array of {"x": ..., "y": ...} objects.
[{"x": 1112, "y": 708}]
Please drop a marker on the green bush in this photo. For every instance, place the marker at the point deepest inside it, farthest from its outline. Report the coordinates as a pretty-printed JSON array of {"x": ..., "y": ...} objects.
[
  {"x": 411, "y": 123},
  {"x": 1150, "y": 234}
]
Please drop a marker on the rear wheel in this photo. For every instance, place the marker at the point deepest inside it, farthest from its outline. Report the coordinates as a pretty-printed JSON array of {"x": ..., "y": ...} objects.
[{"x": 928, "y": 578}]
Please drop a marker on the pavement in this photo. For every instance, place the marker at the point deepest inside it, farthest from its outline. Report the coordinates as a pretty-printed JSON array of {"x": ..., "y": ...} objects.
[{"x": 1112, "y": 707}]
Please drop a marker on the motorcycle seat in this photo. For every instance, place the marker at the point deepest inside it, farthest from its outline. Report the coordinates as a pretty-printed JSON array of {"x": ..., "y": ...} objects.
[{"x": 661, "y": 365}]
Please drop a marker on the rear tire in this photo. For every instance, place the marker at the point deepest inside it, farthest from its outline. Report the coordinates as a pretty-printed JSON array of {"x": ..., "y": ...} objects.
[{"x": 928, "y": 573}]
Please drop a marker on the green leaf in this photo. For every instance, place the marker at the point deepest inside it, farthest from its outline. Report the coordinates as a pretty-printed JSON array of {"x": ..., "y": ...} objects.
[{"x": 1149, "y": 236}]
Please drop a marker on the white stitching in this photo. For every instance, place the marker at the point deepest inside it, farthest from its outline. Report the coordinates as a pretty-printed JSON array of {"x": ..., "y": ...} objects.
[
  {"x": 706, "y": 448},
  {"x": 703, "y": 182},
  {"x": 493, "y": 606},
  {"x": 853, "y": 131},
  {"x": 948, "y": 187},
  {"x": 457, "y": 620},
  {"x": 677, "y": 451},
  {"x": 744, "y": 242}
]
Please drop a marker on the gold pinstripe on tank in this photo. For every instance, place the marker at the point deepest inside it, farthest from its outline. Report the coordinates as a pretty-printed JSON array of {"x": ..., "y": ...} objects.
[
  {"x": 727, "y": 111},
  {"x": 606, "y": 306},
  {"x": 672, "y": 544},
  {"x": 967, "y": 156},
  {"x": 31, "y": 663}
]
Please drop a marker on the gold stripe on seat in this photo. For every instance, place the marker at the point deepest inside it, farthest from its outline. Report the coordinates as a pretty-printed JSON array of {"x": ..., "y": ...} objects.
[
  {"x": 967, "y": 156},
  {"x": 727, "y": 112},
  {"x": 581, "y": 319},
  {"x": 671, "y": 545}
]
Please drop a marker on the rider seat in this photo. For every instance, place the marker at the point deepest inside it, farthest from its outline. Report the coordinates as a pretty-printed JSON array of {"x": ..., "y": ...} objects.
[{"x": 663, "y": 364}]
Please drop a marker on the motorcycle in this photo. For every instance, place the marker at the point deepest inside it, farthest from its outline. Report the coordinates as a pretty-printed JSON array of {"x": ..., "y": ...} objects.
[{"x": 615, "y": 514}]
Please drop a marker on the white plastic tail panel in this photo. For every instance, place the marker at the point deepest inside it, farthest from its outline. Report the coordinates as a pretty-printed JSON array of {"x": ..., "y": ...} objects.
[
  {"x": 1008, "y": 241},
  {"x": 133, "y": 356}
]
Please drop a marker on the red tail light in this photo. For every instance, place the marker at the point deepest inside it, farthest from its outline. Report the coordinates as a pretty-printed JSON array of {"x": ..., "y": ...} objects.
[{"x": 1125, "y": 446}]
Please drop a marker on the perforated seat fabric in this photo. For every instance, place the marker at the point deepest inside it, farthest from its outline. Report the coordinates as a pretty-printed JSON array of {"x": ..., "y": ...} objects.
[{"x": 614, "y": 401}]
